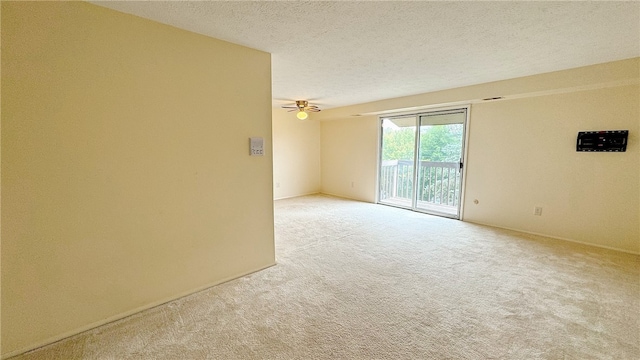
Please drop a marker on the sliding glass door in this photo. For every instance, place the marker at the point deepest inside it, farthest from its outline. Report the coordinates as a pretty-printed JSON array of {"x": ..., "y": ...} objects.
[
  {"x": 421, "y": 161},
  {"x": 396, "y": 166}
]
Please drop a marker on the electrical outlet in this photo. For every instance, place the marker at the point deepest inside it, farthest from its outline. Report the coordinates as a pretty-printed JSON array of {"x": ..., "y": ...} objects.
[
  {"x": 537, "y": 211},
  {"x": 277, "y": 185}
]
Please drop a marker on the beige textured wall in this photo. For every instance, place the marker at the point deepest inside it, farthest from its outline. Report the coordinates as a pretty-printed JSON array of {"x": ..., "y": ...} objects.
[
  {"x": 522, "y": 153},
  {"x": 0, "y": 195},
  {"x": 349, "y": 157},
  {"x": 296, "y": 155},
  {"x": 126, "y": 175}
]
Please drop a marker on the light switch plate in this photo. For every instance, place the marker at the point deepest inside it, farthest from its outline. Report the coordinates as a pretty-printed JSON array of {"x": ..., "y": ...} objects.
[{"x": 256, "y": 147}]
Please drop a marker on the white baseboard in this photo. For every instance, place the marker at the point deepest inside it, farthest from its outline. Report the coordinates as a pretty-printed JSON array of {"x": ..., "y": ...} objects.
[
  {"x": 346, "y": 197},
  {"x": 557, "y": 238},
  {"x": 125, "y": 314},
  {"x": 298, "y": 195}
]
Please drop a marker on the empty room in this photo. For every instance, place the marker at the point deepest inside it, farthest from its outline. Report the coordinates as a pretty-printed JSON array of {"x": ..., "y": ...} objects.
[{"x": 320, "y": 180}]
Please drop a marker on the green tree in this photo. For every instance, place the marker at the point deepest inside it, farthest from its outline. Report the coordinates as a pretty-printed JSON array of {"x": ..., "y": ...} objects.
[
  {"x": 441, "y": 143},
  {"x": 437, "y": 143},
  {"x": 397, "y": 144}
]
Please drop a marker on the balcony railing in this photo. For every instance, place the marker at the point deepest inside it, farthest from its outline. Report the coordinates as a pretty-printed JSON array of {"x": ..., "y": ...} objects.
[{"x": 438, "y": 182}]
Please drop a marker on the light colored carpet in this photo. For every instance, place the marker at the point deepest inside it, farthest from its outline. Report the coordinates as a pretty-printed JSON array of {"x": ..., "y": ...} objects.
[{"x": 363, "y": 281}]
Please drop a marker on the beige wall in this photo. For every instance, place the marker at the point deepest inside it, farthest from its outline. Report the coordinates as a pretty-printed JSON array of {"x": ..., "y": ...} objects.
[
  {"x": 349, "y": 157},
  {"x": 522, "y": 153},
  {"x": 126, "y": 175},
  {"x": 0, "y": 197},
  {"x": 296, "y": 155}
]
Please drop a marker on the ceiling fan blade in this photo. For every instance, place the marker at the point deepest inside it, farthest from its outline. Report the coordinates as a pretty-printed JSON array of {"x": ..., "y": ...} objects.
[{"x": 302, "y": 105}]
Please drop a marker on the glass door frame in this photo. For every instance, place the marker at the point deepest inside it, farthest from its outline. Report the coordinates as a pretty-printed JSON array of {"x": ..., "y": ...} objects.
[{"x": 416, "y": 155}]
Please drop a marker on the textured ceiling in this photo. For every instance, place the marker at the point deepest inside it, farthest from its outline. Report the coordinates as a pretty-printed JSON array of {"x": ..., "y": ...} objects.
[{"x": 343, "y": 53}]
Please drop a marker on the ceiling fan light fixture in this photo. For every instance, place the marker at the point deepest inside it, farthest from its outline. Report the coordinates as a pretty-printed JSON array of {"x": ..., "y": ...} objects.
[{"x": 302, "y": 109}]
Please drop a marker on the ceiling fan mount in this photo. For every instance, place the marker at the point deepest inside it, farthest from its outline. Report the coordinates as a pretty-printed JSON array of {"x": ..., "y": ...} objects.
[{"x": 302, "y": 106}]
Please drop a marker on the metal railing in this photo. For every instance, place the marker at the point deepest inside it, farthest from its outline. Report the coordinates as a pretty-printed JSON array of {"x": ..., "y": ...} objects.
[{"x": 438, "y": 182}]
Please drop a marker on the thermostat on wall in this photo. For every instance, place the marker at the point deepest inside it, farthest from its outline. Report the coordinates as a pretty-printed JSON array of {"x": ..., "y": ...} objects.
[{"x": 256, "y": 146}]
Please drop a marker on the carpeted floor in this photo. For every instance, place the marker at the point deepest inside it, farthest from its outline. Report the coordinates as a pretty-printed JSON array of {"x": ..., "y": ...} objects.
[{"x": 363, "y": 281}]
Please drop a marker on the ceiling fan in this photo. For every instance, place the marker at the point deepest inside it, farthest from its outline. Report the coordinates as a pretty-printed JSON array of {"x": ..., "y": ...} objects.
[{"x": 302, "y": 107}]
